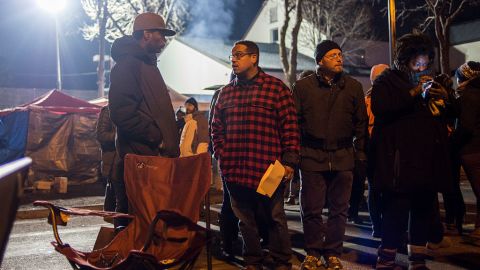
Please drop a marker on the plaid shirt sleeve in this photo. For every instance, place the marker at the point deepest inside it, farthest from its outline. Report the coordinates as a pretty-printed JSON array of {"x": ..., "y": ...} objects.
[
  {"x": 217, "y": 130},
  {"x": 289, "y": 130}
]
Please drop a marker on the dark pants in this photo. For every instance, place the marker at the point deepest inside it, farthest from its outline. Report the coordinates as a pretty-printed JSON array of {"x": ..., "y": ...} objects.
[
  {"x": 247, "y": 204},
  {"x": 471, "y": 165},
  {"x": 414, "y": 212},
  {"x": 320, "y": 239},
  {"x": 110, "y": 202},
  {"x": 435, "y": 233},
  {"x": 356, "y": 197},
  {"x": 228, "y": 222},
  {"x": 453, "y": 199},
  {"x": 294, "y": 185},
  {"x": 121, "y": 196},
  {"x": 374, "y": 208}
]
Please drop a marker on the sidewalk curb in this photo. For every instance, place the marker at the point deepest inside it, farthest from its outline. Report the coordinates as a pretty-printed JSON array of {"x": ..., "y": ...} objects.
[{"x": 41, "y": 212}]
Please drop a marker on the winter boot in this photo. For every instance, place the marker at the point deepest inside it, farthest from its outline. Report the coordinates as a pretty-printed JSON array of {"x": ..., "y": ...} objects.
[
  {"x": 386, "y": 258},
  {"x": 417, "y": 256}
]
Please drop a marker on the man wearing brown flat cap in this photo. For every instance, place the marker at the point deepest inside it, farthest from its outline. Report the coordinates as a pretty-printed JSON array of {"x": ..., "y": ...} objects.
[{"x": 140, "y": 106}]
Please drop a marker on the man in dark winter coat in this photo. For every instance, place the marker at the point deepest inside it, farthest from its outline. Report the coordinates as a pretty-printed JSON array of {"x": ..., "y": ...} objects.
[
  {"x": 409, "y": 146},
  {"x": 140, "y": 106},
  {"x": 333, "y": 123}
]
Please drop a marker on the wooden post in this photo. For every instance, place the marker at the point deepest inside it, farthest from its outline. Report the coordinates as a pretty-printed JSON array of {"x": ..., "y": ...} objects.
[{"x": 391, "y": 29}]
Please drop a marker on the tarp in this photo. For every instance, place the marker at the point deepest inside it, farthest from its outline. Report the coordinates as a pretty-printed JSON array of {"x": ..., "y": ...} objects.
[
  {"x": 63, "y": 144},
  {"x": 13, "y": 135},
  {"x": 58, "y": 134},
  {"x": 61, "y": 138}
]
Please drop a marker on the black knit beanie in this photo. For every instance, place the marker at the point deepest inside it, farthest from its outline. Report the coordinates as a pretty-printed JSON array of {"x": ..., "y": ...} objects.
[{"x": 323, "y": 47}]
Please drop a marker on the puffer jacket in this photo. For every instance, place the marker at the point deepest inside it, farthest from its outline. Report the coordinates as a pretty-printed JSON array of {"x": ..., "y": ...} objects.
[
  {"x": 140, "y": 106},
  {"x": 333, "y": 123}
]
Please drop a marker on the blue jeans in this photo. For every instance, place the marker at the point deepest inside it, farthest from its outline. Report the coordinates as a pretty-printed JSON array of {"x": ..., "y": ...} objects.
[{"x": 247, "y": 204}]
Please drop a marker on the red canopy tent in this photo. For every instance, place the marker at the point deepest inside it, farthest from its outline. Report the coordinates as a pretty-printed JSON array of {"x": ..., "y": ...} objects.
[
  {"x": 178, "y": 100},
  {"x": 61, "y": 138}
]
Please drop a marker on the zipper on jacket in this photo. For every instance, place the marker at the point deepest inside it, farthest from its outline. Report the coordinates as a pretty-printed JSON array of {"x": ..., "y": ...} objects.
[{"x": 330, "y": 160}]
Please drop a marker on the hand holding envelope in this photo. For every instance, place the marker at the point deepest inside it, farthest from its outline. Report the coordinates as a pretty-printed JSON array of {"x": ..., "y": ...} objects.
[{"x": 271, "y": 179}]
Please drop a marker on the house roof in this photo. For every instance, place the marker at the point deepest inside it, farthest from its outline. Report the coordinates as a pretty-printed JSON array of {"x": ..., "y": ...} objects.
[
  {"x": 219, "y": 50},
  {"x": 465, "y": 32}
]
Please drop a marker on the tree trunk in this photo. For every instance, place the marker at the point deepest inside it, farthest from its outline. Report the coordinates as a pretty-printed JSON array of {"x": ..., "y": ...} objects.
[
  {"x": 102, "y": 21},
  {"x": 282, "y": 46},
  {"x": 444, "y": 56},
  {"x": 292, "y": 71}
]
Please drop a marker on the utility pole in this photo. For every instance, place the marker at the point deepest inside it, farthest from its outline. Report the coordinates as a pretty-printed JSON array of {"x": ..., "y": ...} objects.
[
  {"x": 392, "y": 34},
  {"x": 102, "y": 20}
]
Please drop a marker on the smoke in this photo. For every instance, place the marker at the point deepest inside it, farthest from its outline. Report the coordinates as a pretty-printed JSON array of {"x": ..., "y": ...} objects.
[{"x": 211, "y": 18}]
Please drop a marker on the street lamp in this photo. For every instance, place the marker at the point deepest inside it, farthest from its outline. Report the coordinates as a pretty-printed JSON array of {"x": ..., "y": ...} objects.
[{"x": 54, "y": 7}]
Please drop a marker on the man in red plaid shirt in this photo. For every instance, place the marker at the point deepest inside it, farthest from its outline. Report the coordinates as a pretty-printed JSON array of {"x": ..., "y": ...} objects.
[{"x": 254, "y": 124}]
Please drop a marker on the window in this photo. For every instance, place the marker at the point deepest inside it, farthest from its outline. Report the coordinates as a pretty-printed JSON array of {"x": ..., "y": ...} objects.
[
  {"x": 274, "y": 35},
  {"x": 273, "y": 14}
]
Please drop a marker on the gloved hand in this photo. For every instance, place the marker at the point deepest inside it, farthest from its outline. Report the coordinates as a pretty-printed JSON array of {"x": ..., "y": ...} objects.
[
  {"x": 417, "y": 90},
  {"x": 437, "y": 91}
]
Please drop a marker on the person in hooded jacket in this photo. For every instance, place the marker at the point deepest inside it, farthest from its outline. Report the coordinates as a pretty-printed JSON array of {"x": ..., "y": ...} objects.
[
  {"x": 467, "y": 135},
  {"x": 195, "y": 137},
  {"x": 139, "y": 103},
  {"x": 409, "y": 140}
]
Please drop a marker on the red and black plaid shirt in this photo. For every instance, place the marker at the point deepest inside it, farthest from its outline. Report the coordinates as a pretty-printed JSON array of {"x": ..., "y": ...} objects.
[{"x": 254, "y": 124}]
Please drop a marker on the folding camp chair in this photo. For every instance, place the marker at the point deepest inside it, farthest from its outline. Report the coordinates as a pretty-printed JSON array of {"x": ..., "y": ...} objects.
[
  {"x": 164, "y": 195},
  {"x": 12, "y": 176}
]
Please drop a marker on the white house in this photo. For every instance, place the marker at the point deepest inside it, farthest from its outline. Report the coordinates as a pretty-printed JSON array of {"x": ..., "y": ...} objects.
[
  {"x": 465, "y": 40},
  {"x": 190, "y": 65}
]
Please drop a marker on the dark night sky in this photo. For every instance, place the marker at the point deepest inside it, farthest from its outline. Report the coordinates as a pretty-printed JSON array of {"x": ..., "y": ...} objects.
[{"x": 27, "y": 44}]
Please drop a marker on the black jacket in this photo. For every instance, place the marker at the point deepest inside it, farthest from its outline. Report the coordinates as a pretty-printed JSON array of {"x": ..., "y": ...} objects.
[
  {"x": 106, "y": 137},
  {"x": 140, "y": 106},
  {"x": 467, "y": 135},
  {"x": 409, "y": 148},
  {"x": 333, "y": 122}
]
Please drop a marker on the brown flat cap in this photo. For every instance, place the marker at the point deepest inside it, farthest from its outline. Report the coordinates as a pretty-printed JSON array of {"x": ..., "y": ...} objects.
[{"x": 151, "y": 21}]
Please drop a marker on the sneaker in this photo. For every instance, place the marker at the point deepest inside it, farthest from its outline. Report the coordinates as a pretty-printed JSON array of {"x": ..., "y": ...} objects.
[
  {"x": 445, "y": 243},
  {"x": 310, "y": 263},
  {"x": 333, "y": 263}
]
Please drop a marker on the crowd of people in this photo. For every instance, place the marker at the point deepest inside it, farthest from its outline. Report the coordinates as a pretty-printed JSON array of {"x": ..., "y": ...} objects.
[{"x": 407, "y": 137}]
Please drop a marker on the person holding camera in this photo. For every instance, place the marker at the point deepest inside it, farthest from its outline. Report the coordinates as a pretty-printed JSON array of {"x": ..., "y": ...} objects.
[{"x": 411, "y": 151}]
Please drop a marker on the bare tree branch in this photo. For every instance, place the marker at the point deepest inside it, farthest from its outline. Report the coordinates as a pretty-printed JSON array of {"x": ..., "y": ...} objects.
[{"x": 121, "y": 14}]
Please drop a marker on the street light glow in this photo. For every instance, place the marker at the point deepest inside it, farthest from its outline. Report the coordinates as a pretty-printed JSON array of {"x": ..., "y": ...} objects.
[{"x": 52, "y": 6}]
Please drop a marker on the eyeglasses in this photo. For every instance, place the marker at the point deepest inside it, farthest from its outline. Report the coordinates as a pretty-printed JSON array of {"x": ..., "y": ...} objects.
[
  {"x": 238, "y": 55},
  {"x": 334, "y": 56}
]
